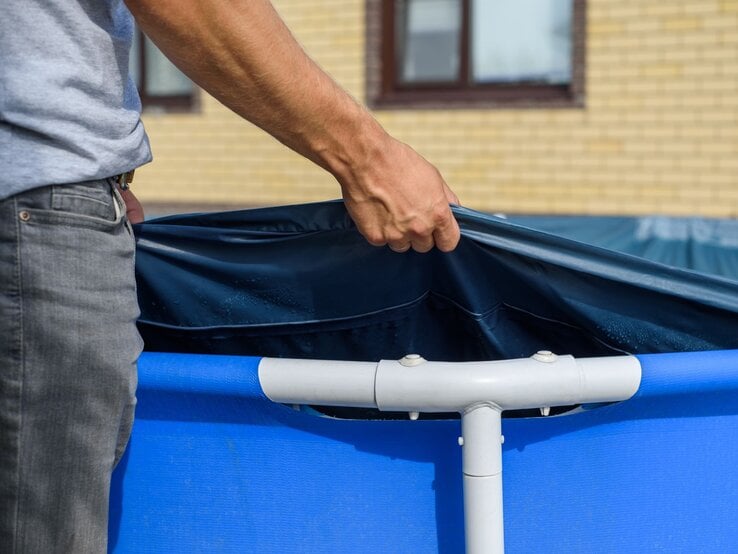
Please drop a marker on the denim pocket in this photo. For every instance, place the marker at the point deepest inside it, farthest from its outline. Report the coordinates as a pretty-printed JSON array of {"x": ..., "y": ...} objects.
[
  {"x": 88, "y": 199},
  {"x": 94, "y": 204}
]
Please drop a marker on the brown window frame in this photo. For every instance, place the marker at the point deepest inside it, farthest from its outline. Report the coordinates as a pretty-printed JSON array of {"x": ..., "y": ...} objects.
[
  {"x": 154, "y": 102},
  {"x": 383, "y": 90}
]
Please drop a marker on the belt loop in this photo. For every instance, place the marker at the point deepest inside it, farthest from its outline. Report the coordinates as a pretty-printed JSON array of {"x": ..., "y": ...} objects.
[{"x": 119, "y": 210}]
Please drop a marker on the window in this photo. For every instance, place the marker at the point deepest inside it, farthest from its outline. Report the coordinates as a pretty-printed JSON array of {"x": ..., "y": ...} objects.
[
  {"x": 160, "y": 84},
  {"x": 475, "y": 52}
]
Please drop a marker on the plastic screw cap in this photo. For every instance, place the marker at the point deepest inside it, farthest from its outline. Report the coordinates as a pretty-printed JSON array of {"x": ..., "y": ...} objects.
[
  {"x": 545, "y": 356},
  {"x": 411, "y": 360}
]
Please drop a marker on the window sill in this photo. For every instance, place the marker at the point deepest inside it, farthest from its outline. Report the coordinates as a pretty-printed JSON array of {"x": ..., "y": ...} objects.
[
  {"x": 506, "y": 97},
  {"x": 158, "y": 105}
]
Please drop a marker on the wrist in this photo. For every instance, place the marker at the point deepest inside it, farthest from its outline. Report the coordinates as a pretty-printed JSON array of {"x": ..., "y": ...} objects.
[{"x": 356, "y": 150}]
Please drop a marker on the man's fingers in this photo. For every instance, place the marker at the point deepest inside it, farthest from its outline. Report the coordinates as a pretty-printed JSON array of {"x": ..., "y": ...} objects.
[
  {"x": 400, "y": 248},
  {"x": 450, "y": 195},
  {"x": 423, "y": 237},
  {"x": 423, "y": 244},
  {"x": 445, "y": 237},
  {"x": 447, "y": 234}
]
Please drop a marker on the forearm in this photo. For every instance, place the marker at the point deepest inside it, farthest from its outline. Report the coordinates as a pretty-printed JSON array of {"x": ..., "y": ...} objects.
[{"x": 241, "y": 52}]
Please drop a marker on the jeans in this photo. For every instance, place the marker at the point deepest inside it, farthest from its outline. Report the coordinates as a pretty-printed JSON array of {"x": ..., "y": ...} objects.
[{"x": 68, "y": 351}]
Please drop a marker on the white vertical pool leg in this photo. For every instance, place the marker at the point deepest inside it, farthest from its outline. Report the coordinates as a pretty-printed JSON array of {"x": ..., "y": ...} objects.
[{"x": 481, "y": 430}]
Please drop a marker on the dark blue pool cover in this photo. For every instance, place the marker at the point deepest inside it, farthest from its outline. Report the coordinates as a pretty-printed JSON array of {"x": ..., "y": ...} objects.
[
  {"x": 299, "y": 281},
  {"x": 705, "y": 245}
]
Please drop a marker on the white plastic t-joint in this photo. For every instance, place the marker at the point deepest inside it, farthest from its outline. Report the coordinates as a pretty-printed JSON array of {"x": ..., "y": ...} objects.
[{"x": 480, "y": 391}]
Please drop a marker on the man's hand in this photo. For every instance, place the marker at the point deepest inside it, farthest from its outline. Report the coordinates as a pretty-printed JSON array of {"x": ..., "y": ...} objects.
[
  {"x": 241, "y": 52},
  {"x": 134, "y": 210},
  {"x": 401, "y": 200}
]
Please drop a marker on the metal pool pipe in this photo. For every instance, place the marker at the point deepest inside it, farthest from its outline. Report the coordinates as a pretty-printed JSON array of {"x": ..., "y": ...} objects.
[{"x": 479, "y": 391}]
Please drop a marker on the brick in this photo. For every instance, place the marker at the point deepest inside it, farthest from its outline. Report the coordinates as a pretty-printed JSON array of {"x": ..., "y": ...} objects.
[
  {"x": 662, "y": 8},
  {"x": 727, "y": 22},
  {"x": 661, "y": 70},
  {"x": 641, "y": 147},
  {"x": 728, "y": 69},
  {"x": 624, "y": 10},
  {"x": 702, "y": 69},
  {"x": 703, "y": 7},
  {"x": 697, "y": 131},
  {"x": 660, "y": 42},
  {"x": 605, "y": 27},
  {"x": 682, "y": 23},
  {"x": 642, "y": 25},
  {"x": 730, "y": 130},
  {"x": 718, "y": 148},
  {"x": 718, "y": 53}
]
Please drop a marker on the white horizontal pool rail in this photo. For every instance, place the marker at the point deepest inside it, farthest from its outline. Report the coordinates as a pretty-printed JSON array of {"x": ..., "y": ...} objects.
[{"x": 479, "y": 391}]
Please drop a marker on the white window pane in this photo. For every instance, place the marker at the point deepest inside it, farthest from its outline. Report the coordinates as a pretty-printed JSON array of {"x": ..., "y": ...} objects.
[
  {"x": 429, "y": 40},
  {"x": 521, "y": 40},
  {"x": 162, "y": 77}
]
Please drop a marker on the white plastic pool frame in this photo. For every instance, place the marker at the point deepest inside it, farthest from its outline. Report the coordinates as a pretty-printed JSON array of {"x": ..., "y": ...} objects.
[{"x": 479, "y": 391}]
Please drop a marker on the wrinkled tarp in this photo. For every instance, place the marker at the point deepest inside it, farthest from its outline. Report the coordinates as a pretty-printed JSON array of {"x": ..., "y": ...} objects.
[
  {"x": 705, "y": 245},
  {"x": 299, "y": 281}
]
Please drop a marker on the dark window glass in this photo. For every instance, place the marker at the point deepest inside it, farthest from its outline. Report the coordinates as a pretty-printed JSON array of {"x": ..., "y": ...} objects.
[
  {"x": 160, "y": 84},
  {"x": 428, "y": 34}
]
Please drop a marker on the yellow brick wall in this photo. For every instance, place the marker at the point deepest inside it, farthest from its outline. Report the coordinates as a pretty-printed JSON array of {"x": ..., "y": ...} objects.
[{"x": 659, "y": 133}]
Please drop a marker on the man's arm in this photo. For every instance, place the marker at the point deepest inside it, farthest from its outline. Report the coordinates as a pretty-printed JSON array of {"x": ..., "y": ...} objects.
[{"x": 241, "y": 52}]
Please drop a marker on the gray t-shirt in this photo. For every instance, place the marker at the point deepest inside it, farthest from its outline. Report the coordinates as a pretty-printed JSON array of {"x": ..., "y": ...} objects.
[{"x": 69, "y": 111}]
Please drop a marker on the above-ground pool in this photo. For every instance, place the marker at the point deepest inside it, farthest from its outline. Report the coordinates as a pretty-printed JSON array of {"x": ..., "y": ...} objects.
[{"x": 215, "y": 466}]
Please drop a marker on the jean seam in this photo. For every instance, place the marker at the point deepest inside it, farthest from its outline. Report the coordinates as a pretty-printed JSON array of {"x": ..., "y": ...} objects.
[
  {"x": 127, "y": 418},
  {"x": 50, "y": 217},
  {"x": 22, "y": 364},
  {"x": 80, "y": 196}
]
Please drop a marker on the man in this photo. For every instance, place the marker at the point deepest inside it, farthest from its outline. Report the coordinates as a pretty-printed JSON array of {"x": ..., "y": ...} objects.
[{"x": 69, "y": 126}]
